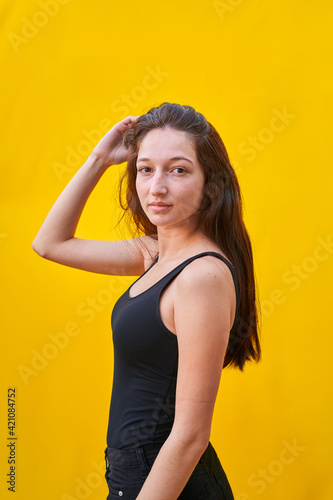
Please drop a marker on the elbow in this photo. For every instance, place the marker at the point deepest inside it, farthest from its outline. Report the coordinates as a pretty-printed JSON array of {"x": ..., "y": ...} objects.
[
  {"x": 39, "y": 249},
  {"x": 201, "y": 441},
  {"x": 195, "y": 441}
]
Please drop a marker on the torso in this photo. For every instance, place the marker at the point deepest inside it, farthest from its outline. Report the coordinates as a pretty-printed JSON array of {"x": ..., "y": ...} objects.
[
  {"x": 169, "y": 295},
  {"x": 143, "y": 398}
]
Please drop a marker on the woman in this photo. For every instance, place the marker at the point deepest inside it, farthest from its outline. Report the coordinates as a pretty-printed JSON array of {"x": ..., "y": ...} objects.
[{"x": 191, "y": 313}]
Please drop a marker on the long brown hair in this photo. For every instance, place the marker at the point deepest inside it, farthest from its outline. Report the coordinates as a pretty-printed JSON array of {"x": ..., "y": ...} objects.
[{"x": 220, "y": 213}]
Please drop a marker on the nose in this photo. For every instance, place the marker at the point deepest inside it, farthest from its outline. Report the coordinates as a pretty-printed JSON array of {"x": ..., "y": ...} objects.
[{"x": 158, "y": 186}]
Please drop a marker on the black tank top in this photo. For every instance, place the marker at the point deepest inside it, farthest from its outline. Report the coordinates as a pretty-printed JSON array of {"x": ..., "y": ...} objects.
[{"x": 145, "y": 366}]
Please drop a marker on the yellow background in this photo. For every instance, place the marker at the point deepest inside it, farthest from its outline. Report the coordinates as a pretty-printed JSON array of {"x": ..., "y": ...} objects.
[{"x": 71, "y": 69}]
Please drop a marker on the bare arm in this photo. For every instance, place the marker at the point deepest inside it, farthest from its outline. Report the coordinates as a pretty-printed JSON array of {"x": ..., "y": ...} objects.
[
  {"x": 56, "y": 239},
  {"x": 202, "y": 314}
]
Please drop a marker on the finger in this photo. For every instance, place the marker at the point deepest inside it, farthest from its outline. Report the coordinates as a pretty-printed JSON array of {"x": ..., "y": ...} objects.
[
  {"x": 131, "y": 119},
  {"x": 124, "y": 124}
]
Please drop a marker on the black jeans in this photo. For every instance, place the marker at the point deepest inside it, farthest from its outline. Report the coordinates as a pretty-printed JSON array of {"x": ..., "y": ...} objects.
[{"x": 126, "y": 471}]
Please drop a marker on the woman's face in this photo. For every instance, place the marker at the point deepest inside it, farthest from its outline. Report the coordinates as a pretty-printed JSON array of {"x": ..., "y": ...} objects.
[{"x": 169, "y": 179}]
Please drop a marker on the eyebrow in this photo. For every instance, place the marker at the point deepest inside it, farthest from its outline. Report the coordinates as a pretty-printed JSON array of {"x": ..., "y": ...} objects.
[{"x": 171, "y": 159}]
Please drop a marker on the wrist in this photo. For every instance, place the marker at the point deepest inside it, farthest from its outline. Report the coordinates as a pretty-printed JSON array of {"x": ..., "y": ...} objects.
[{"x": 98, "y": 162}]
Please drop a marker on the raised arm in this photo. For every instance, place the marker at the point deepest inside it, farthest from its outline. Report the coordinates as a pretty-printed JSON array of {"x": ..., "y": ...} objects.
[{"x": 56, "y": 239}]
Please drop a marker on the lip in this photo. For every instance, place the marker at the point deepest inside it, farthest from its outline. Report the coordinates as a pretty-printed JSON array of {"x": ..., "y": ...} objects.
[{"x": 158, "y": 206}]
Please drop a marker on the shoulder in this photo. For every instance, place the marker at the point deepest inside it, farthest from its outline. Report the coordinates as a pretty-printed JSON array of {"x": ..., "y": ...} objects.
[
  {"x": 205, "y": 294},
  {"x": 206, "y": 274}
]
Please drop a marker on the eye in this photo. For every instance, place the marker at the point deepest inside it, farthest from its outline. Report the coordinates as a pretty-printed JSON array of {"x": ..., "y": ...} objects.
[
  {"x": 144, "y": 170},
  {"x": 179, "y": 170}
]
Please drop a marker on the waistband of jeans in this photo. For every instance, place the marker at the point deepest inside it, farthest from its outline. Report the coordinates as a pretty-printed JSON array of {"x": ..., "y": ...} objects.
[{"x": 132, "y": 457}]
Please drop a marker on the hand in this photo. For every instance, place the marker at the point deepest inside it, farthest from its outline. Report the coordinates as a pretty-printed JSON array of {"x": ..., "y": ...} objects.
[{"x": 110, "y": 148}]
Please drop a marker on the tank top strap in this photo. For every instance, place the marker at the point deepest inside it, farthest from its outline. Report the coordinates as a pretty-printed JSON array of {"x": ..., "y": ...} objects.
[
  {"x": 164, "y": 282},
  {"x": 172, "y": 274}
]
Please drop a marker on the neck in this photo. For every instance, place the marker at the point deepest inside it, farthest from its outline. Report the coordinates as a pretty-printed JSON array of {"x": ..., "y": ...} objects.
[{"x": 176, "y": 242}]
